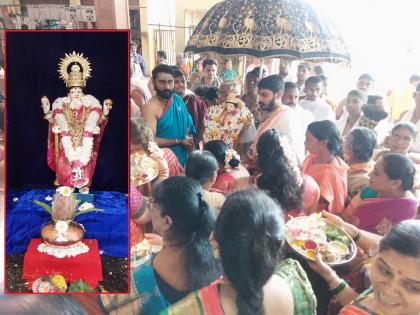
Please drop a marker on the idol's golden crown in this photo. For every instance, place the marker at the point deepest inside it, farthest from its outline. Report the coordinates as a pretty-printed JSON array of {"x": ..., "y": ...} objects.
[{"x": 74, "y": 69}]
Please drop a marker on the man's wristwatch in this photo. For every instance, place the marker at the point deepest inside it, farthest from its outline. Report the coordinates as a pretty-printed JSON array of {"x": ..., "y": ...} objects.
[{"x": 176, "y": 141}]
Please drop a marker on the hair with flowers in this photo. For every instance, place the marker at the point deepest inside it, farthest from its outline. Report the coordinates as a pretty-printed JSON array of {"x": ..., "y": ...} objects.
[{"x": 232, "y": 159}]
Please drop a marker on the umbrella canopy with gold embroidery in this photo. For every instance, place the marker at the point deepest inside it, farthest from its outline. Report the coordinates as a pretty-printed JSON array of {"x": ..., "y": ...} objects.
[{"x": 289, "y": 29}]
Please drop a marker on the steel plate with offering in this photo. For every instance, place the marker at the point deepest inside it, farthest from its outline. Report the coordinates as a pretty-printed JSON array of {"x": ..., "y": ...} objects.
[
  {"x": 310, "y": 235},
  {"x": 142, "y": 251},
  {"x": 143, "y": 169}
]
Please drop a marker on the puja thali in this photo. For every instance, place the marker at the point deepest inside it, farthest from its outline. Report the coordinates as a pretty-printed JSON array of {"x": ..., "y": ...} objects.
[
  {"x": 309, "y": 235},
  {"x": 142, "y": 252},
  {"x": 143, "y": 169}
]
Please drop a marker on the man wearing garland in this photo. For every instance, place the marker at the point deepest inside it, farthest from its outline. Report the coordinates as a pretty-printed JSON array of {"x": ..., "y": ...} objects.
[{"x": 76, "y": 126}]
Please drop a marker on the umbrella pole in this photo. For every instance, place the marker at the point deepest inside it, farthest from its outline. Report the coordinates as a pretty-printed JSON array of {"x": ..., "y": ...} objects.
[
  {"x": 243, "y": 71},
  {"x": 261, "y": 68}
]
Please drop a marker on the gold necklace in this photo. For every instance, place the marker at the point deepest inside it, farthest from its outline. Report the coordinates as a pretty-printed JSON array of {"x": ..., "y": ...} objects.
[{"x": 76, "y": 126}]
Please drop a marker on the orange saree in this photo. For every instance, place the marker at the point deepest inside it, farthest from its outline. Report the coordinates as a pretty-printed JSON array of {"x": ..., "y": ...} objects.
[{"x": 331, "y": 179}]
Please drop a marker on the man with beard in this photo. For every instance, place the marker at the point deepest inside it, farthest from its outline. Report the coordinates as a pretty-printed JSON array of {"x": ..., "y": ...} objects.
[
  {"x": 283, "y": 118},
  {"x": 168, "y": 116},
  {"x": 195, "y": 105}
]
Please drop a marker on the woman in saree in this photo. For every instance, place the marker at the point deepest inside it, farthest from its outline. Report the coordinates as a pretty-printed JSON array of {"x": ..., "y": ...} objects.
[
  {"x": 357, "y": 150},
  {"x": 394, "y": 272},
  {"x": 325, "y": 166},
  {"x": 142, "y": 141},
  {"x": 249, "y": 239},
  {"x": 229, "y": 165},
  {"x": 388, "y": 199},
  {"x": 202, "y": 167},
  {"x": 400, "y": 141},
  {"x": 297, "y": 193},
  {"x": 185, "y": 263}
]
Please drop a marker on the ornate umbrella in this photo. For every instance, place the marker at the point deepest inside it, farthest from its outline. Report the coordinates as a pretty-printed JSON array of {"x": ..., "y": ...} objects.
[{"x": 288, "y": 29}]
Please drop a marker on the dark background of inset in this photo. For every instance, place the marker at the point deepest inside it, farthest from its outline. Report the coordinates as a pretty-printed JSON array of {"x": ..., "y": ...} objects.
[{"x": 31, "y": 71}]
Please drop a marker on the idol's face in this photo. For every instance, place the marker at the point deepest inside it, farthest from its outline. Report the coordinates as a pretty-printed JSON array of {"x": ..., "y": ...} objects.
[
  {"x": 75, "y": 93},
  {"x": 223, "y": 93}
]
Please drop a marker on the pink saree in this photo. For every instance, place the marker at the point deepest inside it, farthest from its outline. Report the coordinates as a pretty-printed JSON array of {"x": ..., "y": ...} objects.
[{"x": 378, "y": 215}]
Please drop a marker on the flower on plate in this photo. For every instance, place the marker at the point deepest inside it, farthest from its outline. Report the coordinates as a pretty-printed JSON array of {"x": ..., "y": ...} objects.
[
  {"x": 61, "y": 227},
  {"x": 48, "y": 198},
  {"x": 85, "y": 206},
  {"x": 15, "y": 199},
  {"x": 65, "y": 191}
]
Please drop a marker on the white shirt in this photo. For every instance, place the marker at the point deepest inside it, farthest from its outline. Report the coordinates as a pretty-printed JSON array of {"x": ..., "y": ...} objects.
[
  {"x": 382, "y": 129},
  {"x": 320, "y": 109},
  {"x": 289, "y": 124},
  {"x": 305, "y": 116},
  {"x": 407, "y": 118}
]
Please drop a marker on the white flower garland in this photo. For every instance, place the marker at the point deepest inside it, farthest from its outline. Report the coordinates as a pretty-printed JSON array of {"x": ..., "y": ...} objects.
[
  {"x": 62, "y": 252},
  {"x": 82, "y": 153}
]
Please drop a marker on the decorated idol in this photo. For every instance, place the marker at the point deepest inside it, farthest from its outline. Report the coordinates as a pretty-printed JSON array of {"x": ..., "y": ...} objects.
[
  {"x": 76, "y": 126},
  {"x": 227, "y": 120}
]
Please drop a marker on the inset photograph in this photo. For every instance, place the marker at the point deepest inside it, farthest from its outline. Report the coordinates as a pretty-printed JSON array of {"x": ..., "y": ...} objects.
[{"x": 67, "y": 161}]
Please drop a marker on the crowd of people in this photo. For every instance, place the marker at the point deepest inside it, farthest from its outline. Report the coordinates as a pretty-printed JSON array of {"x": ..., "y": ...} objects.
[
  {"x": 234, "y": 166},
  {"x": 250, "y": 160}
]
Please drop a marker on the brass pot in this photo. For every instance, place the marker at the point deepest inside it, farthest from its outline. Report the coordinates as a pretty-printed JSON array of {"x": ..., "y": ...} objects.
[{"x": 63, "y": 236}]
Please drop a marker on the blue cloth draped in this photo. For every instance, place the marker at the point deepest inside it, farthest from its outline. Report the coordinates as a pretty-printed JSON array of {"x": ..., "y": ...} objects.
[
  {"x": 25, "y": 219},
  {"x": 174, "y": 124}
]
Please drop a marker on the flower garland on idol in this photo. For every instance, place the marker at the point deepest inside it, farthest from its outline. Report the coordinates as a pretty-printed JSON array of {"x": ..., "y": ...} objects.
[{"x": 81, "y": 155}]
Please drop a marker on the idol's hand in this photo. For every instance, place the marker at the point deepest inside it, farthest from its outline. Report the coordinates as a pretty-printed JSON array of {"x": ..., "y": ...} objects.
[
  {"x": 45, "y": 104},
  {"x": 107, "y": 107}
]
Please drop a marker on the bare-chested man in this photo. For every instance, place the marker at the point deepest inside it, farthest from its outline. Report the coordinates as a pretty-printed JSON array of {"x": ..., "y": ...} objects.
[{"x": 168, "y": 116}]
